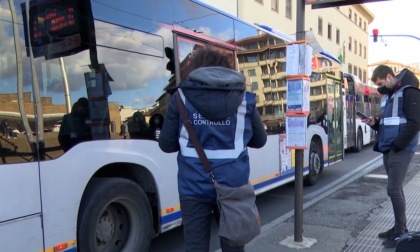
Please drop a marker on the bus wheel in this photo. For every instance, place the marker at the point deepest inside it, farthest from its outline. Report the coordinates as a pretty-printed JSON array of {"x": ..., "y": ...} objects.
[
  {"x": 315, "y": 164},
  {"x": 359, "y": 141},
  {"x": 115, "y": 215}
]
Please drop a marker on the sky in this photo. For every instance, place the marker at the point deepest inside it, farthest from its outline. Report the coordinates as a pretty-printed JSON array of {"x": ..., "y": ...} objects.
[{"x": 395, "y": 17}]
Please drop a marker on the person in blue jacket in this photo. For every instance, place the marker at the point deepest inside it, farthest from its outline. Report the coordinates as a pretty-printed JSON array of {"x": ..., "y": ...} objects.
[
  {"x": 397, "y": 138},
  {"x": 226, "y": 120}
]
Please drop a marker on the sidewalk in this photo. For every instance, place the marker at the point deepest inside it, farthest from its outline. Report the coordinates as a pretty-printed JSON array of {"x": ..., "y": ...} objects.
[{"x": 348, "y": 219}]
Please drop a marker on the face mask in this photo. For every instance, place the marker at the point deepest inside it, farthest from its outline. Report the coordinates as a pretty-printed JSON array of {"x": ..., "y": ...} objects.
[{"x": 384, "y": 90}]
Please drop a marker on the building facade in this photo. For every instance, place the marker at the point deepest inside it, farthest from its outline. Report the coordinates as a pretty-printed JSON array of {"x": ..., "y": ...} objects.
[
  {"x": 396, "y": 67},
  {"x": 343, "y": 31}
]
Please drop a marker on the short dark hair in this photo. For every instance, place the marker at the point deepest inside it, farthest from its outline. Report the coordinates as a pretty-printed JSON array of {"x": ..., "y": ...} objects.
[
  {"x": 83, "y": 101},
  {"x": 381, "y": 72},
  {"x": 206, "y": 57}
]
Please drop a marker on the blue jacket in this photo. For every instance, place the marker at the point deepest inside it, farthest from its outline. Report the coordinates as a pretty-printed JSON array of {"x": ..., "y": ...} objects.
[
  {"x": 392, "y": 122},
  {"x": 226, "y": 122},
  {"x": 399, "y": 124}
]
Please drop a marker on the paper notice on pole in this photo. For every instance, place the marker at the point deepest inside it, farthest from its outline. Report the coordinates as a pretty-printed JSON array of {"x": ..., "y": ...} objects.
[
  {"x": 294, "y": 95},
  {"x": 299, "y": 59},
  {"x": 298, "y": 95},
  {"x": 305, "y": 59},
  {"x": 296, "y": 131},
  {"x": 292, "y": 59}
]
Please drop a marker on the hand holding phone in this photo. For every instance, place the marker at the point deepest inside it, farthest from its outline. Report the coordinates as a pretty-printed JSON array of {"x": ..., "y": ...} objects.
[{"x": 362, "y": 115}]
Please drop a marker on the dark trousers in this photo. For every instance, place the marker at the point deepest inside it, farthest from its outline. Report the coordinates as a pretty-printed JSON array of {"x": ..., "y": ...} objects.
[
  {"x": 196, "y": 219},
  {"x": 396, "y": 166}
]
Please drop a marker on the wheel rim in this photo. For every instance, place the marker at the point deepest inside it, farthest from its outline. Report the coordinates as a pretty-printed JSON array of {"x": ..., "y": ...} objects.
[
  {"x": 316, "y": 163},
  {"x": 105, "y": 229},
  {"x": 116, "y": 227}
]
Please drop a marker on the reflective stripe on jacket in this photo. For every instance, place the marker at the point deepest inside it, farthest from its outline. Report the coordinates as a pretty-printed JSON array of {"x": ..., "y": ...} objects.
[{"x": 225, "y": 144}]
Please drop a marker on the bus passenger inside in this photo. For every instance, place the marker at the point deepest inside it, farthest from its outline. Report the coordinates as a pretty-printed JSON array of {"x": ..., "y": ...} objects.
[
  {"x": 75, "y": 126},
  {"x": 137, "y": 126},
  {"x": 155, "y": 125},
  {"x": 319, "y": 116}
]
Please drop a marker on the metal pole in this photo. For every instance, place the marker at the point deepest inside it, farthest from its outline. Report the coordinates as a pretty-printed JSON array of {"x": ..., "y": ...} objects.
[
  {"x": 298, "y": 236},
  {"x": 66, "y": 86},
  {"x": 299, "y": 196},
  {"x": 300, "y": 20},
  {"x": 398, "y": 35}
]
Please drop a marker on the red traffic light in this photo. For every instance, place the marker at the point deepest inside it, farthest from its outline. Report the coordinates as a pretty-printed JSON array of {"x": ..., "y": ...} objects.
[{"x": 375, "y": 35}]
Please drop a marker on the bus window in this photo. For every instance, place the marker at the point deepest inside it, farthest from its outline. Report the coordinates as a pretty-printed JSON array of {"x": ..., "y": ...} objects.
[
  {"x": 266, "y": 79},
  {"x": 351, "y": 88},
  {"x": 19, "y": 132},
  {"x": 366, "y": 99}
]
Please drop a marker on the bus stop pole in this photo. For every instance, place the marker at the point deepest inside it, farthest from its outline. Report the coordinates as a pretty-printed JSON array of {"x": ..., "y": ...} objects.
[
  {"x": 298, "y": 235},
  {"x": 298, "y": 196}
]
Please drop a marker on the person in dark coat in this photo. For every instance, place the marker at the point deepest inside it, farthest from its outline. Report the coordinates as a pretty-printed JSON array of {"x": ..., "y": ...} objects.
[
  {"x": 155, "y": 125},
  {"x": 75, "y": 126},
  {"x": 137, "y": 126},
  {"x": 4, "y": 125},
  {"x": 397, "y": 138},
  {"x": 226, "y": 120}
]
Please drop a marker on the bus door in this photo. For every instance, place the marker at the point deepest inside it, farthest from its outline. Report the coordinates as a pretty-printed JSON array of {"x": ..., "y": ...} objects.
[
  {"x": 350, "y": 112},
  {"x": 334, "y": 119}
]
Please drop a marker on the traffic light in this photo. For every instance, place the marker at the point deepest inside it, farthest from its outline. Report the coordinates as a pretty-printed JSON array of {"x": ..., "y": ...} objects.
[
  {"x": 169, "y": 52},
  {"x": 375, "y": 35}
]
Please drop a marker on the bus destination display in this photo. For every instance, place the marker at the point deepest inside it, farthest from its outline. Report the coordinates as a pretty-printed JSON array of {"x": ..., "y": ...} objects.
[{"x": 54, "y": 28}]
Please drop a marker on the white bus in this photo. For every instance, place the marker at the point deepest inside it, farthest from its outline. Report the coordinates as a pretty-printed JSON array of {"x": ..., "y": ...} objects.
[
  {"x": 93, "y": 186},
  {"x": 366, "y": 99}
]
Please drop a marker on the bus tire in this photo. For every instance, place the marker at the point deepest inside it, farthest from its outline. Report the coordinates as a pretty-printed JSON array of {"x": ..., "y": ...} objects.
[
  {"x": 359, "y": 141},
  {"x": 315, "y": 164},
  {"x": 115, "y": 215}
]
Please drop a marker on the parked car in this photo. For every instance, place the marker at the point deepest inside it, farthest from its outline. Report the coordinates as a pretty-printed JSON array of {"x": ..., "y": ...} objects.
[{"x": 56, "y": 127}]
